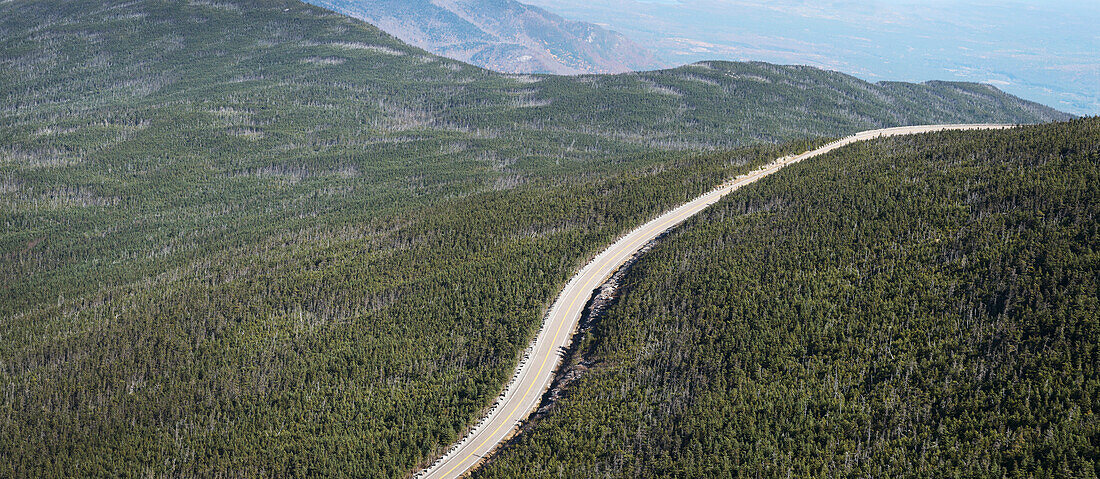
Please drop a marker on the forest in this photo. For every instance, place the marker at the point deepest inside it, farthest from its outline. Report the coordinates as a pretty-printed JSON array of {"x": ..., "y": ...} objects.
[
  {"x": 248, "y": 238},
  {"x": 923, "y": 306}
]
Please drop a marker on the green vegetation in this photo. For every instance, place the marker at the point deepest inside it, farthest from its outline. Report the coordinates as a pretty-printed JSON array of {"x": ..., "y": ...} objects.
[
  {"x": 922, "y": 306},
  {"x": 257, "y": 238}
]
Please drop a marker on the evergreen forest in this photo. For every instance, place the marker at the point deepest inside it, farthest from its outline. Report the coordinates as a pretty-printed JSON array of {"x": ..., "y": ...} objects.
[
  {"x": 250, "y": 238},
  {"x": 924, "y": 306}
]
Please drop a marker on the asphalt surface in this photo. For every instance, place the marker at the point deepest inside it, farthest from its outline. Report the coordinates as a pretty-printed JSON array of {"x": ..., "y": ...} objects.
[{"x": 535, "y": 372}]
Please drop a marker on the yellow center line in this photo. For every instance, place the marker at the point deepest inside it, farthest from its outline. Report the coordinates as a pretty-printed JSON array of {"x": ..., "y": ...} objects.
[
  {"x": 529, "y": 386},
  {"x": 690, "y": 209},
  {"x": 587, "y": 284}
]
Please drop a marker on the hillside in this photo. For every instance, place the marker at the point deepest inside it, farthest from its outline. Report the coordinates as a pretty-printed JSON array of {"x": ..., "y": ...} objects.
[
  {"x": 919, "y": 306},
  {"x": 258, "y": 238}
]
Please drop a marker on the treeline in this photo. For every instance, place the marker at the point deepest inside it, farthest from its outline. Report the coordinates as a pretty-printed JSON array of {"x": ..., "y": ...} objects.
[{"x": 920, "y": 306}]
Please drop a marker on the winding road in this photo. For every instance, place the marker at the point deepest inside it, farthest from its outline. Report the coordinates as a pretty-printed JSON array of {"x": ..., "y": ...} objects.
[{"x": 535, "y": 372}]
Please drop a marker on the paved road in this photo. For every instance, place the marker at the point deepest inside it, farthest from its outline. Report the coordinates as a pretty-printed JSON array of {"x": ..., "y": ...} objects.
[{"x": 536, "y": 371}]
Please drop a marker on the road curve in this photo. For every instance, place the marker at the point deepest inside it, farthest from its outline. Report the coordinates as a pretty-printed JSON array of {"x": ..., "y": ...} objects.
[{"x": 536, "y": 370}]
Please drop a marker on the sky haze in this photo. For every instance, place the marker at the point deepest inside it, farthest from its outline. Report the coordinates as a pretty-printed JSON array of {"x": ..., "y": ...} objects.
[{"x": 1043, "y": 51}]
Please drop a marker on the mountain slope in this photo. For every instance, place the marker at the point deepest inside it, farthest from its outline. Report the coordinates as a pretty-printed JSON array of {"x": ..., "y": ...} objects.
[
  {"x": 721, "y": 104},
  {"x": 921, "y": 306},
  {"x": 502, "y": 35},
  {"x": 249, "y": 237}
]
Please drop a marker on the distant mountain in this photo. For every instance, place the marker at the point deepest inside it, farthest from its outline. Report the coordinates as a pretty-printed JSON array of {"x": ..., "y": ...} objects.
[
  {"x": 1042, "y": 51},
  {"x": 502, "y": 35}
]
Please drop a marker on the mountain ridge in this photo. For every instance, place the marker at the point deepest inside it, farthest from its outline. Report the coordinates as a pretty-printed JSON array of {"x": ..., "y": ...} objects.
[{"x": 502, "y": 35}]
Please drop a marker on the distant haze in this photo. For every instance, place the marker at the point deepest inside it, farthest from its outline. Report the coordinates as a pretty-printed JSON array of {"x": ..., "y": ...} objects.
[
  {"x": 502, "y": 35},
  {"x": 1047, "y": 51}
]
